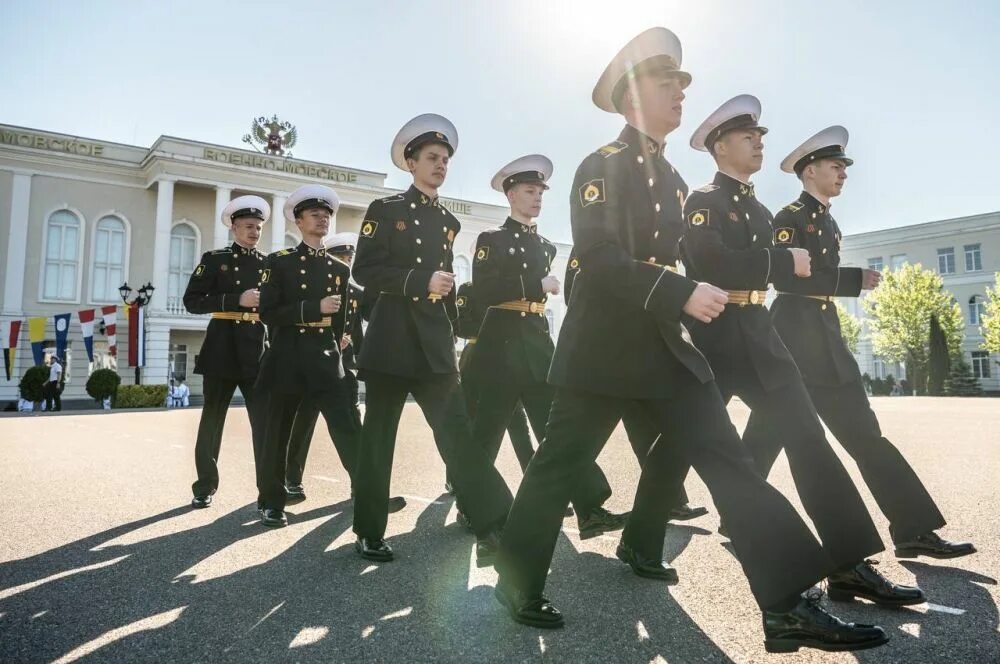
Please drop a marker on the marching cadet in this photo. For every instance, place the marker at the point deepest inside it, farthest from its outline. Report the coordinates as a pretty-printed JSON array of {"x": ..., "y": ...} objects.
[
  {"x": 225, "y": 285},
  {"x": 302, "y": 292},
  {"x": 729, "y": 242},
  {"x": 626, "y": 220},
  {"x": 805, "y": 316},
  {"x": 341, "y": 247},
  {"x": 404, "y": 260},
  {"x": 511, "y": 273}
]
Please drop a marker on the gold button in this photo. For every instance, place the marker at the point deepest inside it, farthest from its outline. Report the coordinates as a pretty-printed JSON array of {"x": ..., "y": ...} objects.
[
  {"x": 652, "y": 259},
  {"x": 416, "y": 222},
  {"x": 522, "y": 250},
  {"x": 525, "y": 265},
  {"x": 445, "y": 246},
  {"x": 321, "y": 330},
  {"x": 651, "y": 182},
  {"x": 657, "y": 206},
  {"x": 443, "y": 212},
  {"x": 824, "y": 250},
  {"x": 419, "y": 259},
  {"x": 413, "y": 206},
  {"x": 260, "y": 271},
  {"x": 329, "y": 262},
  {"x": 303, "y": 258},
  {"x": 302, "y": 330},
  {"x": 329, "y": 276},
  {"x": 328, "y": 289},
  {"x": 813, "y": 215},
  {"x": 441, "y": 263},
  {"x": 415, "y": 299},
  {"x": 303, "y": 286},
  {"x": 823, "y": 307},
  {"x": 640, "y": 159},
  {"x": 517, "y": 235},
  {"x": 747, "y": 215},
  {"x": 444, "y": 228},
  {"x": 236, "y": 269},
  {"x": 237, "y": 282},
  {"x": 523, "y": 314},
  {"x": 418, "y": 241},
  {"x": 754, "y": 238},
  {"x": 302, "y": 271},
  {"x": 820, "y": 233},
  {"x": 656, "y": 234},
  {"x": 735, "y": 197}
]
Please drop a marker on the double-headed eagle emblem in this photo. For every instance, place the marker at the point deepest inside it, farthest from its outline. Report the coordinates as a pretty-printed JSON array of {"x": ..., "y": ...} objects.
[{"x": 271, "y": 136}]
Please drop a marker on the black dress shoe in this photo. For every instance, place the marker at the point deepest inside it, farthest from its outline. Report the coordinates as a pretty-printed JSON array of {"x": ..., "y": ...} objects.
[
  {"x": 933, "y": 546},
  {"x": 374, "y": 549},
  {"x": 646, "y": 567},
  {"x": 809, "y": 626},
  {"x": 685, "y": 513},
  {"x": 295, "y": 493},
  {"x": 201, "y": 502},
  {"x": 864, "y": 581},
  {"x": 486, "y": 549},
  {"x": 273, "y": 518},
  {"x": 396, "y": 504},
  {"x": 533, "y": 611},
  {"x": 600, "y": 521}
]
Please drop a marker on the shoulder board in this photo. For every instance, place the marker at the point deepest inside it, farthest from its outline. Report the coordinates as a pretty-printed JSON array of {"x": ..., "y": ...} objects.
[
  {"x": 794, "y": 207},
  {"x": 611, "y": 148},
  {"x": 707, "y": 189},
  {"x": 398, "y": 198},
  {"x": 285, "y": 252},
  {"x": 219, "y": 252}
]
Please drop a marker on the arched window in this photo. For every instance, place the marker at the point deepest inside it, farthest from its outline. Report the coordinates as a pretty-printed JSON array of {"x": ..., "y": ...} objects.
[
  {"x": 977, "y": 306},
  {"x": 290, "y": 241},
  {"x": 108, "y": 269},
  {"x": 63, "y": 231},
  {"x": 463, "y": 272},
  {"x": 183, "y": 257}
]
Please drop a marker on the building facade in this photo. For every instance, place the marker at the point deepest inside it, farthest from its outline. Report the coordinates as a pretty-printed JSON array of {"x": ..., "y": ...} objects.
[
  {"x": 964, "y": 251},
  {"x": 78, "y": 217}
]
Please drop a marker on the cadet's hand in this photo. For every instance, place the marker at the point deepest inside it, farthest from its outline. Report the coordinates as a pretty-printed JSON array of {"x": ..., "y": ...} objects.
[
  {"x": 441, "y": 283},
  {"x": 802, "y": 262},
  {"x": 706, "y": 302},
  {"x": 345, "y": 341},
  {"x": 329, "y": 304},
  {"x": 870, "y": 279},
  {"x": 250, "y": 298},
  {"x": 550, "y": 284}
]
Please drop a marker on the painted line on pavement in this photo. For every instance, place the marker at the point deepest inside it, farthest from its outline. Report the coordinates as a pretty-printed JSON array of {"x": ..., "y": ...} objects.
[{"x": 944, "y": 609}]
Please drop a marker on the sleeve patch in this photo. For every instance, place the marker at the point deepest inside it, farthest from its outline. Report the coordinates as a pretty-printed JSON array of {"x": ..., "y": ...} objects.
[
  {"x": 368, "y": 228},
  {"x": 592, "y": 193},
  {"x": 198, "y": 271},
  {"x": 482, "y": 254},
  {"x": 783, "y": 235},
  {"x": 574, "y": 264},
  {"x": 699, "y": 217},
  {"x": 265, "y": 276},
  {"x": 460, "y": 301}
]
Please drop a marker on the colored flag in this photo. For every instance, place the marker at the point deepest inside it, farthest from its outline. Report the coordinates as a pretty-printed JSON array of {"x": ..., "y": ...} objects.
[
  {"x": 9, "y": 331},
  {"x": 36, "y": 335},
  {"x": 62, "y": 332},
  {"x": 110, "y": 315},
  {"x": 136, "y": 337},
  {"x": 87, "y": 325}
]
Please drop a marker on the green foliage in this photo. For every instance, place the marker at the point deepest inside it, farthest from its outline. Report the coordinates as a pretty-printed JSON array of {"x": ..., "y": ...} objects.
[
  {"x": 900, "y": 311},
  {"x": 140, "y": 396},
  {"x": 961, "y": 382},
  {"x": 991, "y": 318},
  {"x": 850, "y": 329},
  {"x": 33, "y": 383},
  {"x": 103, "y": 383},
  {"x": 882, "y": 388}
]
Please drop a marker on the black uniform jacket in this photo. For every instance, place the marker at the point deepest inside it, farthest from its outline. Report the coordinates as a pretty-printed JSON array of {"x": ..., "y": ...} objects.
[
  {"x": 304, "y": 352},
  {"x": 728, "y": 244},
  {"x": 809, "y": 327},
  {"x": 353, "y": 327},
  {"x": 470, "y": 312},
  {"x": 510, "y": 263},
  {"x": 622, "y": 335},
  {"x": 231, "y": 348},
  {"x": 404, "y": 239},
  {"x": 572, "y": 269}
]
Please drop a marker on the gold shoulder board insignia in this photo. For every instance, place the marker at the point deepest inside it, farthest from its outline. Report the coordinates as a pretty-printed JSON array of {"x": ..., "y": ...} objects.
[
  {"x": 794, "y": 207},
  {"x": 216, "y": 252},
  {"x": 611, "y": 148},
  {"x": 284, "y": 252},
  {"x": 482, "y": 254},
  {"x": 265, "y": 276},
  {"x": 699, "y": 217},
  {"x": 592, "y": 192},
  {"x": 199, "y": 270},
  {"x": 368, "y": 228},
  {"x": 783, "y": 235},
  {"x": 707, "y": 189}
]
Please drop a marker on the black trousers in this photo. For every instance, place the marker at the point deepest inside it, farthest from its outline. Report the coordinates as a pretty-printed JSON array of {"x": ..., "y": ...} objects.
[
  {"x": 496, "y": 403},
  {"x": 52, "y": 396},
  {"x": 282, "y": 409},
  {"x": 642, "y": 433},
  {"x": 304, "y": 425},
  {"x": 778, "y": 552},
  {"x": 479, "y": 488},
  {"x": 218, "y": 393},
  {"x": 847, "y": 412},
  {"x": 517, "y": 425}
]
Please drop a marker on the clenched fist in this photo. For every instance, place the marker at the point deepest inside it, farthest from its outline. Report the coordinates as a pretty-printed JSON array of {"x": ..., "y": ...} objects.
[
  {"x": 706, "y": 303},
  {"x": 329, "y": 304},
  {"x": 802, "y": 262},
  {"x": 441, "y": 283},
  {"x": 550, "y": 285},
  {"x": 250, "y": 298}
]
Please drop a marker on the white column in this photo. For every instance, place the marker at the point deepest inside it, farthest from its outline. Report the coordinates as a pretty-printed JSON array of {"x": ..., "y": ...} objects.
[
  {"x": 221, "y": 236},
  {"x": 277, "y": 222},
  {"x": 161, "y": 239},
  {"x": 17, "y": 245}
]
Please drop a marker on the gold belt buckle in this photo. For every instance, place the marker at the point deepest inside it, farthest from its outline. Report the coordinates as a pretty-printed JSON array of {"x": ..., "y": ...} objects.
[
  {"x": 754, "y": 297},
  {"x": 434, "y": 297}
]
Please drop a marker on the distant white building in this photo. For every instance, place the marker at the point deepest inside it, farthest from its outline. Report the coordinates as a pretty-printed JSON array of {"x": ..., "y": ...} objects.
[{"x": 964, "y": 251}]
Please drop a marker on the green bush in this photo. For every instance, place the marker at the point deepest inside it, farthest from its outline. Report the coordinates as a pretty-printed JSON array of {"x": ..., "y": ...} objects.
[
  {"x": 103, "y": 383},
  {"x": 33, "y": 383},
  {"x": 140, "y": 396}
]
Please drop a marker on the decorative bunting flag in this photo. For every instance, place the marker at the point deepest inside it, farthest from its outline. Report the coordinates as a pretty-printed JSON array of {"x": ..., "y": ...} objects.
[
  {"x": 36, "y": 334},
  {"x": 87, "y": 326},
  {"x": 9, "y": 331},
  {"x": 62, "y": 331},
  {"x": 136, "y": 336},
  {"x": 110, "y": 315}
]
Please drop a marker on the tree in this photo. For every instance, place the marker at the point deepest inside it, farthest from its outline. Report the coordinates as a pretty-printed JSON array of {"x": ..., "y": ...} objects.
[
  {"x": 991, "y": 318},
  {"x": 938, "y": 361},
  {"x": 850, "y": 329},
  {"x": 961, "y": 382},
  {"x": 900, "y": 311}
]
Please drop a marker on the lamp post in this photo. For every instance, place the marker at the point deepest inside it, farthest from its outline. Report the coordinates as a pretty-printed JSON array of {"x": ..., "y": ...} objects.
[{"x": 142, "y": 298}]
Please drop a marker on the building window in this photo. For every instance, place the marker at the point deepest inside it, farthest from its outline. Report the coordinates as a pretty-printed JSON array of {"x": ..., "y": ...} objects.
[
  {"x": 980, "y": 364},
  {"x": 897, "y": 262},
  {"x": 977, "y": 307},
  {"x": 177, "y": 362},
  {"x": 875, "y": 263},
  {"x": 946, "y": 260},
  {"x": 62, "y": 256},
  {"x": 109, "y": 260},
  {"x": 290, "y": 241},
  {"x": 183, "y": 254},
  {"x": 973, "y": 258},
  {"x": 879, "y": 368},
  {"x": 462, "y": 271}
]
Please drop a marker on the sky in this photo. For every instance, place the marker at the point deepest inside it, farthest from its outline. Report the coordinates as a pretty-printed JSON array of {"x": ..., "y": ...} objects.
[{"x": 915, "y": 83}]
